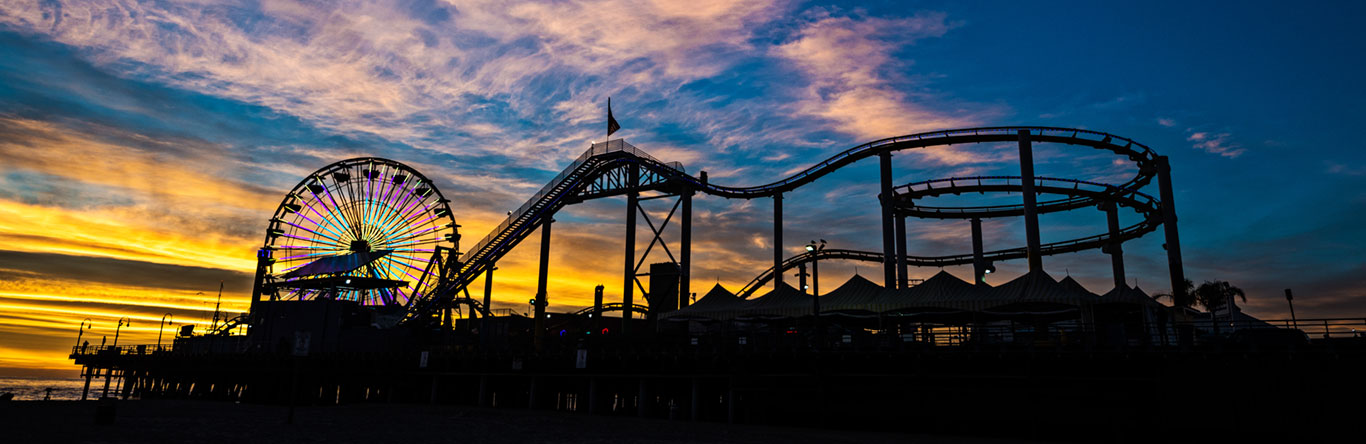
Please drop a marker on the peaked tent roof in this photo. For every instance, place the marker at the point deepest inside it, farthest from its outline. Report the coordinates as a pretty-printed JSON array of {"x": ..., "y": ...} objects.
[
  {"x": 781, "y": 302},
  {"x": 856, "y": 295},
  {"x": 1035, "y": 287},
  {"x": 943, "y": 290},
  {"x": 1072, "y": 285},
  {"x": 716, "y": 301},
  {"x": 1125, "y": 295}
]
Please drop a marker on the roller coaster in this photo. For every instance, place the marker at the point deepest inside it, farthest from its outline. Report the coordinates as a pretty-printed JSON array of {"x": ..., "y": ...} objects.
[{"x": 368, "y": 246}]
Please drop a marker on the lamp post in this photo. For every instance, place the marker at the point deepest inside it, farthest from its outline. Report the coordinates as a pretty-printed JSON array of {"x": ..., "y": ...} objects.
[
  {"x": 814, "y": 250},
  {"x": 161, "y": 327},
  {"x": 122, "y": 322},
  {"x": 1290, "y": 299},
  {"x": 85, "y": 325}
]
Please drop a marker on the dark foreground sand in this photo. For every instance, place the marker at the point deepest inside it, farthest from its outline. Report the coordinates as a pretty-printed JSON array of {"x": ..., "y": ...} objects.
[{"x": 211, "y": 422}]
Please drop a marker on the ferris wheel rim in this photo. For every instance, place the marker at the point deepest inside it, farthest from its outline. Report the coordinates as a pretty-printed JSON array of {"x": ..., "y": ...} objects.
[{"x": 366, "y": 215}]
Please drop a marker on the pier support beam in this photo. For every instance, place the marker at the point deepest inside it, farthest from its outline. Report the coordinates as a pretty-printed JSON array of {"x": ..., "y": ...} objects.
[
  {"x": 902, "y": 272},
  {"x": 642, "y": 399},
  {"x": 685, "y": 250},
  {"x": 1115, "y": 248},
  {"x": 888, "y": 229},
  {"x": 695, "y": 400},
  {"x": 1173, "y": 245},
  {"x": 1031, "y": 214},
  {"x": 628, "y": 286},
  {"x": 777, "y": 241},
  {"x": 979, "y": 265},
  {"x": 541, "y": 278}
]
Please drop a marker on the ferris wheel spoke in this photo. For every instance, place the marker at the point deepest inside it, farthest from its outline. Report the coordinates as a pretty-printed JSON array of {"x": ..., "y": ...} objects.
[
  {"x": 337, "y": 209},
  {"x": 411, "y": 209},
  {"x": 420, "y": 242},
  {"x": 348, "y": 195},
  {"x": 318, "y": 225},
  {"x": 367, "y": 198},
  {"x": 408, "y": 233},
  {"x": 375, "y": 199},
  {"x": 303, "y": 247},
  {"x": 331, "y": 220},
  {"x": 395, "y": 204},
  {"x": 383, "y": 204},
  {"x": 412, "y": 226},
  {"x": 311, "y": 231},
  {"x": 400, "y": 221},
  {"x": 411, "y": 235},
  {"x": 381, "y": 295},
  {"x": 316, "y": 241}
]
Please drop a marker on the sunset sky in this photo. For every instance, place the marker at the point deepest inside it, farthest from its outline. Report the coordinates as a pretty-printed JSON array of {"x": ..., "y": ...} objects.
[{"x": 144, "y": 145}]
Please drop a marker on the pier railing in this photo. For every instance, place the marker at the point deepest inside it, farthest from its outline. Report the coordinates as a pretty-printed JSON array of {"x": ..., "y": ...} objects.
[{"x": 136, "y": 349}]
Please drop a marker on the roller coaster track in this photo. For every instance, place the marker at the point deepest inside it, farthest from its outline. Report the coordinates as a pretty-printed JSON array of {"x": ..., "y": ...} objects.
[
  {"x": 613, "y": 306},
  {"x": 1094, "y": 193},
  {"x": 608, "y": 168}
]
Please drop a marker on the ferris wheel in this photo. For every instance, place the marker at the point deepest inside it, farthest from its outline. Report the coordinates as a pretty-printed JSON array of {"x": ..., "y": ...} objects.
[{"x": 360, "y": 229}]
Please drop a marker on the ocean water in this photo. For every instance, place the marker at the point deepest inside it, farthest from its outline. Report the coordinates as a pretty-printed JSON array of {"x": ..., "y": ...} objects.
[{"x": 34, "y": 389}]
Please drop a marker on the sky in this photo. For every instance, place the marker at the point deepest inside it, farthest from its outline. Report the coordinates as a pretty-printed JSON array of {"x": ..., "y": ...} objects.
[{"x": 144, "y": 145}]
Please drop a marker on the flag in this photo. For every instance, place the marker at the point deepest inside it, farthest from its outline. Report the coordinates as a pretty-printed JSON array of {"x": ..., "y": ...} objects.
[{"x": 612, "y": 125}]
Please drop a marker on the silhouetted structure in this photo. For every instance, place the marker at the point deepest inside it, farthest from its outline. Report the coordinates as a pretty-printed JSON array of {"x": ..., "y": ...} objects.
[{"x": 361, "y": 274}]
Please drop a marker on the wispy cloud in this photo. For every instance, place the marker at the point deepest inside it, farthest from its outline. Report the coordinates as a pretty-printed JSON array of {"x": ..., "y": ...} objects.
[
  {"x": 1215, "y": 143},
  {"x": 847, "y": 63}
]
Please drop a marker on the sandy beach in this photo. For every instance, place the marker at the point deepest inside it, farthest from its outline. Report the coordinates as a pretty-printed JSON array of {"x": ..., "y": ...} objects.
[{"x": 211, "y": 422}]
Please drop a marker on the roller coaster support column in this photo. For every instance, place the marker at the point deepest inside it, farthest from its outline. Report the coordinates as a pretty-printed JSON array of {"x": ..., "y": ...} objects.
[
  {"x": 888, "y": 231},
  {"x": 486, "y": 326},
  {"x": 816, "y": 283},
  {"x": 1173, "y": 245},
  {"x": 979, "y": 265},
  {"x": 597, "y": 308},
  {"x": 541, "y": 302},
  {"x": 902, "y": 280},
  {"x": 1116, "y": 248},
  {"x": 628, "y": 284},
  {"x": 1031, "y": 213},
  {"x": 801, "y": 278},
  {"x": 685, "y": 250},
  {"x": 777, "y": 240}
]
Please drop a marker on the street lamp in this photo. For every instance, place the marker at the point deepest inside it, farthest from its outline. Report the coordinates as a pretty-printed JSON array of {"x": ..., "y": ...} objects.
[
  {"x": 813, "y": 249},
  {"x": 85, "y": 325},
  {"x": 122, "y": 322},
  {"x": 161, "y": 327}
]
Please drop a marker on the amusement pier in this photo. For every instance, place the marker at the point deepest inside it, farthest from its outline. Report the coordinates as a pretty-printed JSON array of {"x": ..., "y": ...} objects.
[{"x": 365, "y": 293}]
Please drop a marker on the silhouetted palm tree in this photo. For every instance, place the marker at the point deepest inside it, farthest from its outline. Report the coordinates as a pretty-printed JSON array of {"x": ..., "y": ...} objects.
[{"x": 1212, "y": 295}]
